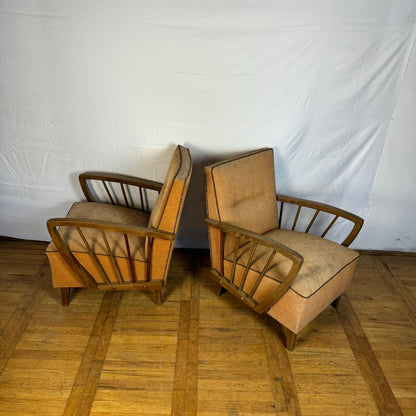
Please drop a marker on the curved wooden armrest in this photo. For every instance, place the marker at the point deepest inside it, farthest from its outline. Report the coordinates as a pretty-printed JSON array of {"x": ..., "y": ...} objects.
[
  {"x": 54, "y": 223},
  {"x": 257, "y": 240},
  {"x": 106, "y": 178},
  {"x": 103, "y": 227},
  {"x": 321, "y": 207}
]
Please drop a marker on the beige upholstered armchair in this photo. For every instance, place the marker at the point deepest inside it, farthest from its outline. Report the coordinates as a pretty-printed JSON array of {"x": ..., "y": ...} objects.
[
  {"x": 115, "y": 241},
  {"x": 291, "y": 275}
]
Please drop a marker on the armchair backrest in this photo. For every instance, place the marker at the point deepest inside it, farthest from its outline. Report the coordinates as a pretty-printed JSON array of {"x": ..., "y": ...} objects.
[
  {"x": 242, "y": 191},
  {"x": 168, "y": 208}
]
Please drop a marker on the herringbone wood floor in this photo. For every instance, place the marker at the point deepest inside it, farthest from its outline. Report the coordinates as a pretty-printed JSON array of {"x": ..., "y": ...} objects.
[{"x": 120, "y": 354}]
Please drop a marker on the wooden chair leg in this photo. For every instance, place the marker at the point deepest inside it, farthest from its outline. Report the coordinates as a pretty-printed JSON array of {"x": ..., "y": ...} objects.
[
  {"x": 65, "y": 291},
  {"x": 290, "y": 338},
  {"x": 220, "y": 290},
  {"x": 158, "y": 294},
  {"x": 335, "y": 303}
]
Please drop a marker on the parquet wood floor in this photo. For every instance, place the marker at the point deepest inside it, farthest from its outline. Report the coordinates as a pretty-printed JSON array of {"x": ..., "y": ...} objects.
[{"x": 115, "y": 353}]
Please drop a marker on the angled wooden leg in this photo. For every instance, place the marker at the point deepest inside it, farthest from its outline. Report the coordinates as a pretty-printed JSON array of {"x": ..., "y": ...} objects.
[
  {"x": 220, "y": 290},
  {"x": 158, "y": 294},
  {"x": 335, "y": 303},
  {"x": 65, "y": 291},
  {"x": 290, "y": 338}
]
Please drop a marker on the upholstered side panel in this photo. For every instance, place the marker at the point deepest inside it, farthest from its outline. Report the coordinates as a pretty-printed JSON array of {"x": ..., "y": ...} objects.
[
  {"x": 168, "y": 209},
  {"x": 295, "y": 312},
  {"x": 161, "y": 250},
  {"x": 63, "y": 276}
]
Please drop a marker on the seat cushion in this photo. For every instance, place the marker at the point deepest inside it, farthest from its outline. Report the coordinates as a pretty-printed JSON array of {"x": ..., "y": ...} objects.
[
  {"x": 63, "y": 275},
  {"x": 323, "y": 259},
  {"x": 109, "y": 213}
]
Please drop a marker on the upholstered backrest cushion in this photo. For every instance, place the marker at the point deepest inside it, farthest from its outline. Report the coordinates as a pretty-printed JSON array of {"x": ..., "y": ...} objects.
[
  {"x": 168, "y": 206},
  {"x": 242, "y": 191}
]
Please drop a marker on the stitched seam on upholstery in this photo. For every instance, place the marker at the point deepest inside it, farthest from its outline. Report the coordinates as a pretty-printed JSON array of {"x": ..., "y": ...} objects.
[
  {"x": 319, "y": 288},
  {"x": 167, "y": 198},
  {"x": 225, "y": 162},
  {"x": 178, "y": 214},
  {"x": 207, "y": 213}
]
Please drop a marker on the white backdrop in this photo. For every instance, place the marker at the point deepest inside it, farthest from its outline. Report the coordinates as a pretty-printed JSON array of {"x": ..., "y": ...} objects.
[{"x": 114, "y": 85}]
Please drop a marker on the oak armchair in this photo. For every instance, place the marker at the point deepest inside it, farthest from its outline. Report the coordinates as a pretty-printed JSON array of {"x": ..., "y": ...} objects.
[
  {"x": 292, "y": 275},
  {"x": 116, "y": 241}
]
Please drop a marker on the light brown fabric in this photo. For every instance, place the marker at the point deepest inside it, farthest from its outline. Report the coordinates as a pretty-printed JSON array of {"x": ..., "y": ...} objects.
[
  {"x": 108, "y": 213},
  {"x": 295, "y": 312},
  {"x": 239, "y": 189},
  {"x": 63, "y": 276},
  {"x": 323, "y": 260}
]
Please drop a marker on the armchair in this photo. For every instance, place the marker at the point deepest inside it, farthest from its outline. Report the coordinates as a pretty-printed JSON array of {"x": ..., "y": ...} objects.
[
  {"x": 292, "y": 275},
  {"x": 115, "y": 241}
]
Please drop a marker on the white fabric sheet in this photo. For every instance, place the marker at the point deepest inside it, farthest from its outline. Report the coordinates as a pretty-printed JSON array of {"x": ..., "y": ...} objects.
[{"x": 105, "y": 85}]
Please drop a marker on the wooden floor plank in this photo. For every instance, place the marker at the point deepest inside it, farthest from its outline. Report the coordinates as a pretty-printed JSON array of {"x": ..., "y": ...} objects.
[
  {"x": 281, "y": 378},
  {"x": 83, "y": 391},
  {"x": 200, "y": 354},
  {"x": 22, "y": 315},
  {"x": 367, "y": 361}
]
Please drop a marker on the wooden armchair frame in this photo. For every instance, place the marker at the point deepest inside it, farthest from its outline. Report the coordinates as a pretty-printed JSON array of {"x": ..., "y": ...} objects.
[
  {"x": 321, "y": 207},
  {"x": 125, "y": 181}
]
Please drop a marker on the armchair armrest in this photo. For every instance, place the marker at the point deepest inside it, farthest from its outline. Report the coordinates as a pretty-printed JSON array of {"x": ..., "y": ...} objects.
[
  {"x": 255, "y": 240},
  {"x": 106, "y": 179},
  {"x": 103, "y": 228},
  {"x": 321, "y": 207}
]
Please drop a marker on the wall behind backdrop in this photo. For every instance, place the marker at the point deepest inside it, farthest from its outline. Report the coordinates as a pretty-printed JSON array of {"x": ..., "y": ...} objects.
[{"x": 114, "y": 86}]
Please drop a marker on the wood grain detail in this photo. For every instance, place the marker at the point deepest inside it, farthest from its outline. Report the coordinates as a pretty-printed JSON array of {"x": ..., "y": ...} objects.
[
  {"x": 184, "y": 399},
  {"x": 367, "y": 361},
  {"x": 85, "y": 385}
]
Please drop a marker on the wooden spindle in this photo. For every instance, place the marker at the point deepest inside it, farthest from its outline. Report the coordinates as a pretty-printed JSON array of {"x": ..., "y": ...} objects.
[
  {"x": 108, "y": 192},
  {"x": 124, "y": 195},
  {"x": 263, "y": 272},
  {"x": 93, "y": 256},
  {"x": 248, "y": 266},
  {"x": 312, "y": 220},
  {"x": 113, "y": 261},
  {"x": 237, "y": 246},
  {"x": 133, "y": 276},
  {"x": 296, "y": 218},
  {"x": 330, "y": 226}
]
